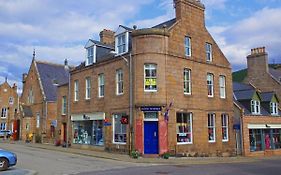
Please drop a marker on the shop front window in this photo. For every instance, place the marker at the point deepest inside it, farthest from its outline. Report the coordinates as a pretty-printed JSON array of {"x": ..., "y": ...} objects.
[
  {"x": 255, "y": 140},
  {"x": 120, "y": 130},
  {"x": 276, "y": 133},
  {"x": 88, "y": 132}
]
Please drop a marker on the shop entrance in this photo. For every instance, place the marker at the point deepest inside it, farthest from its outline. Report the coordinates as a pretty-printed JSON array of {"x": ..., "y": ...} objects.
[{"x": 151, "y": 143}]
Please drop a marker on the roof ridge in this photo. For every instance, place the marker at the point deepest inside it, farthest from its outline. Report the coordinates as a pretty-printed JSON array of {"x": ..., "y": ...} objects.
[{"x": 49, "y": 63}]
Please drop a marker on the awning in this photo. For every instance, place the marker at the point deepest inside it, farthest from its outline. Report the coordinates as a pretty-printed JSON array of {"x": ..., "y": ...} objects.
[
  {"x": 264, "y": 126},
  {"x": 88, "y": 116}
]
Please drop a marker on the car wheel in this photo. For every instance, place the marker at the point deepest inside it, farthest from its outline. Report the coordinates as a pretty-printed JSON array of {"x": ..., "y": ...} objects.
[{"x": 3, "y": 164}]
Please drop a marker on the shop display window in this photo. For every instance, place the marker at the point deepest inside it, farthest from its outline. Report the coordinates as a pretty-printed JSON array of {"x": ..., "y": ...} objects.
[
  {"x": 88, "y": 132},
  {"x": 120, "y": 130}
]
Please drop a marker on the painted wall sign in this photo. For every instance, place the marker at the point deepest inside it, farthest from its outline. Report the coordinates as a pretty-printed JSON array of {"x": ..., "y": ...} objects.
[{"x": 151, "y": 108}]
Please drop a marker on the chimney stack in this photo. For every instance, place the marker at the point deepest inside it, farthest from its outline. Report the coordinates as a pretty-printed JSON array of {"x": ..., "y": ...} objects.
[
  {"x": 66, "y": 64},
  {"x": 107, "y": 37},
  {"x": 257, "y": 62},
  {"x": 191, "y": 11}
]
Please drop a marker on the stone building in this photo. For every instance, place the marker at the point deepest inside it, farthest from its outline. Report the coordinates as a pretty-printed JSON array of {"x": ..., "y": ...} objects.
[
  {"x": 258, "y": 69},
  {"x": 38, "y": 102},
  {"x": 257, "y": 114},
  {"x": 9, "y": 108},
  {"x": 167, "y": 88}
]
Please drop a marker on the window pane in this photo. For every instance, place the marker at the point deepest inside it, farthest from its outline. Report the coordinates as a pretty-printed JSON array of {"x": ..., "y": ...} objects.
[
  {"x": 184, "y": 127},
  {"x": 119, "y": 129}
]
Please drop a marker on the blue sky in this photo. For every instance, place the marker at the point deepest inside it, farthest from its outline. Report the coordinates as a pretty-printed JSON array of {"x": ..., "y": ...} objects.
[{"x": 60, "y": 29}]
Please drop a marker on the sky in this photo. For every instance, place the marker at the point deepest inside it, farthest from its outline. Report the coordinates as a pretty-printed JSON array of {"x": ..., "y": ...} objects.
[{"x": 58, "y": 30}]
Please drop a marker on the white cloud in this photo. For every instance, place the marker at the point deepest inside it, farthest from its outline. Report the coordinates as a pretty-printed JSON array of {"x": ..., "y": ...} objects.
[{"x": 260, "y": 29}]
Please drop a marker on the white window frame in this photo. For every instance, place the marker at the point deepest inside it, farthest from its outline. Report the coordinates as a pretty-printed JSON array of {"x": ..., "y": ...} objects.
[
  {"x": 210, "y": 84},
  {"x": 189, "y": 115},
  {"x": 30, "y": 97},
  {"x": 150, "y": 67},
  {"x": 255, "y": 107},
  {"x": 4, "y": 112},
  {"x": 3, "y": 126},
  {"x": 124, "y": 44},
  {"x": 222, "y": 86},
  {"x": 88, "y": 88},
  {"x": 119, "y": 82},
  {"x": 209, "y": 52},
  {"x": 224, "y": 126},
  {"x": 76, "y": 90},
  {"x": 101, "y": 86},
  {"x": 274, "y": 108},
  {"x": 212, "y": 117},
  {"x": 187, "y": 81},
  {"x": 187, "y": 45},
  {"x": 37, "y": 120},
  {"x": 122, "y": 132},
  {"x": 64, "y": 104},
  {"x": 91, "y": 55}
]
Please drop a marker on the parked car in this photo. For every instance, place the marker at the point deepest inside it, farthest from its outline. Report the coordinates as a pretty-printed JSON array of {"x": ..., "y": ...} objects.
[
  {"x": 6, "y": 133},
  {"x": 7, "y": 159}
]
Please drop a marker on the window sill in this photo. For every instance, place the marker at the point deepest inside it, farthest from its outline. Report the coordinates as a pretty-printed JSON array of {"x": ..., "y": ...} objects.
[
  {"x": 210, "y": 96},
  {"x": 150, "y": 91},
  {"x": 119, "y": 94},
  {"x": 87, "y": 99},
  {"x": 225, "y": 141},
  {"x": 212, "y": 141},
  {"x": 187, "y": 94},
  {"x": 119, "y": 143},
  {"x": 185, "y": 143},
  {"x": 102, "y": 97}
]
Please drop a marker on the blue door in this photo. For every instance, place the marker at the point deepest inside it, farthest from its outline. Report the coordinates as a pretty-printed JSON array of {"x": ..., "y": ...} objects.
[{"x": 151, "y": 144}]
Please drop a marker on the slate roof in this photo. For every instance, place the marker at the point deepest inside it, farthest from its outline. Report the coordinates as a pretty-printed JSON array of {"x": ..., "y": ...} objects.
[
  {"x": 275, "y": 73},
  {"x": 127, "y": 28},
  {"x": 101, "y": 44},
  {"x": 51, "y": 75},
  {"x": 241, "y": 86},
  {"x": 267, "y": 96},
  {"x": 244, "y": 95},
  {"x": 27, "y": 111},
  {"x": 168, "y": 23},
  {"x": 240, "y": 75}
]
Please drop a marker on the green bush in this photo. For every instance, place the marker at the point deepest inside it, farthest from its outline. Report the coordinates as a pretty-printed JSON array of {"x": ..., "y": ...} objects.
[
  {"x": 135, "y": 154},
  {"x": 166, "y": 155}
]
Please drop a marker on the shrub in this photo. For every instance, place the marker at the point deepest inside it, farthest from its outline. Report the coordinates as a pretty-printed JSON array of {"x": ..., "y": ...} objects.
[
  {"x": 135, "y": 154},
  {"x": 166, "y": 155}
]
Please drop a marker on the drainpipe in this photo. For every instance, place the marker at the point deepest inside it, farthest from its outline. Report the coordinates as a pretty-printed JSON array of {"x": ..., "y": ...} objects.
[
  {"x": 241, "y": 131},
  {"x": 68, "y": 111},
  {"x": 131, "y": 104}
]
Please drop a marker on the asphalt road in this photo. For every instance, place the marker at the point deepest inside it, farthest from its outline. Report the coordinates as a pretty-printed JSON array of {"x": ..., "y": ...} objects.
[
  {"x": 47, "y": 162},
  {"x": 265, "y": 167}
]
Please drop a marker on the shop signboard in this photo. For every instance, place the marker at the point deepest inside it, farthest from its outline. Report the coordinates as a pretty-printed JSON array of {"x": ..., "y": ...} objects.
[
  {"x": 106, "y": 124},
  {"x": 151, "y": 108}
]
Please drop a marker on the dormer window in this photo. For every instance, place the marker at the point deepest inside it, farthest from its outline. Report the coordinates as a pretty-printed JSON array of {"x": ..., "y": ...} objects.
[
  {"x": 255, "y": 107},
  {"x": 273, "y": 108},
  {"x": 91, "y": 55},
  {"x": 122, "y": 43}
]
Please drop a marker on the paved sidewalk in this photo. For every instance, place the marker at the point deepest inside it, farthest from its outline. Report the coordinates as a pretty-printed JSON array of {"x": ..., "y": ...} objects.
[{"x": 126, "y": 158}]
